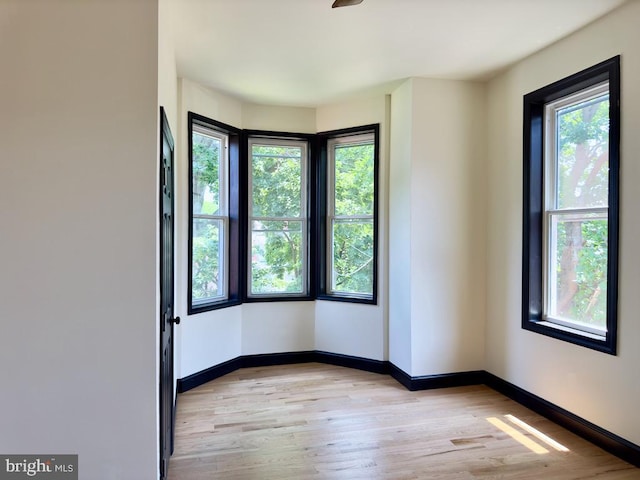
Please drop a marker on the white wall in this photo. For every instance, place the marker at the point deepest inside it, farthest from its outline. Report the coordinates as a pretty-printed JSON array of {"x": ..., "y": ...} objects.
[
  {"x": 441, "y": 175},
  {"x": 209, "y": 338},
  {"x": 167, "y": 74},
  {"x": 278, "y": 119},
  {"x": 400, "y": 224},
  {"x": 78, "y": 209},
  {"x": 277, "y": 327},
  {"x": 208, "y": 102},
  {"x": 357, "y": 329},
  {"x": 601, "y": 388}
]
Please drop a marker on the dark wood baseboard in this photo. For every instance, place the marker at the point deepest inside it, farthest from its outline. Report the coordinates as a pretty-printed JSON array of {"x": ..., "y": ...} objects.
[
  {"x": 400, "y": 375},
  {"x": 446, "y": 380},
  {"x": 606, "y": 440},
  {"x": 268, "y": 359},
  {"x": 359, "y": 363},
  {"x": 265, "y": 360},
  {"x": 203, "y": 376}
]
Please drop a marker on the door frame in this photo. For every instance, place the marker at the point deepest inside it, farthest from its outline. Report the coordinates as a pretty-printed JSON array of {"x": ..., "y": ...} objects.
[{"x": 166, "y": 392}]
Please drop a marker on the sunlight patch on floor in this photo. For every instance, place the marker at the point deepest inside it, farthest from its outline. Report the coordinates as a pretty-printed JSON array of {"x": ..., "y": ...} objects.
[
  {"x": 532, "y": 445},
  {"x": 537, "y": 433}
]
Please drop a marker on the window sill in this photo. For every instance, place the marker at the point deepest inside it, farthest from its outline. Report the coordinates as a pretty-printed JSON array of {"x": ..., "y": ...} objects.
[
  {"x": 574, "y": 331},
  {"x": 348, "y": 299},
  {"x": 572, "y": 335},
  {"x": 278, "y": 298},
  {"x": 207, "y": 307}
]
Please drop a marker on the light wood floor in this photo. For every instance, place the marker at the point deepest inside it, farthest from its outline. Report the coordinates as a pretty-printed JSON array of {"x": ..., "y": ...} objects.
[{"x": 315, "y": 421}]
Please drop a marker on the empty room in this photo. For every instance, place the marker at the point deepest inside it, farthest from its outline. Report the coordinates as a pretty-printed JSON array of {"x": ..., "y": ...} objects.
[{"x": 285, "y": 239}]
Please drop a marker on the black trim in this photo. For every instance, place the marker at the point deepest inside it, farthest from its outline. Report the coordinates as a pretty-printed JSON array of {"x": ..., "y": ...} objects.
[
  {"x": 243, "y": 188},
  {"x": 272, "y": 135},
  {"x": 358, "y": 363},
  {"x": 264, "y": 360},
  {"x": 313, "y": 216},
  {"x": 166, "y": 286},
  {"x": 310, "y": 141},
  {"x": 346, "y": 132},
  {"x": 320, "y": 260},
  {"x": 316, "y": 216},
  {"x": 323, "y": 249},
  {"x": 604, "y": 439},
  {"x": 349, "y": 298},
  {"x": 203, "y": 376},
  {"x": 277, "y": 298},
  {"x": 268, "y": 359},
  {"x": 429, "y": 382},
  {"x": 175, "y": 410},
  {"x": 533, "y": 203},
  {"x": 234, "y": 276},
  {"x": 400, "y": 376}
]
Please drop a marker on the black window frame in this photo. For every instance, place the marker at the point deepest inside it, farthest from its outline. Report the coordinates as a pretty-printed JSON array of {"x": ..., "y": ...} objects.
[
  {"x": 321, "y": 259},
  {"x": 311, "y": 171},
  {"x": 238, "y": 182},
  {"x": 234, "y": 257},
  {"x": 533, "y": 204}
]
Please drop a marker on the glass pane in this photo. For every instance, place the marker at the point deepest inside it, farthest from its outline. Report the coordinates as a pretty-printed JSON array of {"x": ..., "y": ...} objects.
[
  {"x": 276, "y": 181},
  {"x": 352, "y": 245},
  {"x": 583, "y": 154},
  {"x": 578, "y": 273},
  {"x": 276, "y": 257},
  {"x": 207, "y": 152},
  {"x": 354, "y": 179},
  {"x": 207, "y": 281}
]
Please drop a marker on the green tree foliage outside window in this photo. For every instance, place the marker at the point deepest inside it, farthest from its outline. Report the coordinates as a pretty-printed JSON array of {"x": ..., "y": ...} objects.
[
  {"x": 582, "y": 264},
  {"x": 208, "y": 221},
  {"x": 582, "y": 182},
  {"x": 352, "y": 228},
  {"x": 278, "y": 220}
]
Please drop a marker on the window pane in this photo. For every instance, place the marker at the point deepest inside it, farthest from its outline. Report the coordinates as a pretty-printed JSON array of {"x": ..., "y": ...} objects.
[
  {"x": 354, "y": 179},
  {"x": 208, "y": 251},
  {"x": 583, "y": 154},
  {"x": 207, "y": 152},
  {"x": 276, "y": 181},
  {"x": 578, "y": 287},
  {"x": 276, "y": 257},
  {"x": 352, "y": 247}
]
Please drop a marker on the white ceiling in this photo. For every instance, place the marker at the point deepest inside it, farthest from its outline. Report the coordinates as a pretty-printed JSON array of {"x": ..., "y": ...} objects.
[{"x": 304, "y": 53}]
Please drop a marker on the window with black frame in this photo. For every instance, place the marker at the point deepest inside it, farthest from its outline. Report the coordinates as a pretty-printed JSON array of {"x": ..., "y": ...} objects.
[
  {"x": 277, "y": 216},
  {"x": 213, "y": 212},
  {"x": 350, "y": 180},
  {"x": 571, "y": 199}
]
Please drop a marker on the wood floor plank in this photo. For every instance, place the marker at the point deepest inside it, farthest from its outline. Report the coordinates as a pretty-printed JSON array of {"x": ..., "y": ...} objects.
[{"x": 316, "y": 421}]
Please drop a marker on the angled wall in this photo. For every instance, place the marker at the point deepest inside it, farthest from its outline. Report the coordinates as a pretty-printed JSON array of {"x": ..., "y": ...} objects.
[
  {"x": 349, "y": 328},
  {"x": 437, "y": 232}
]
